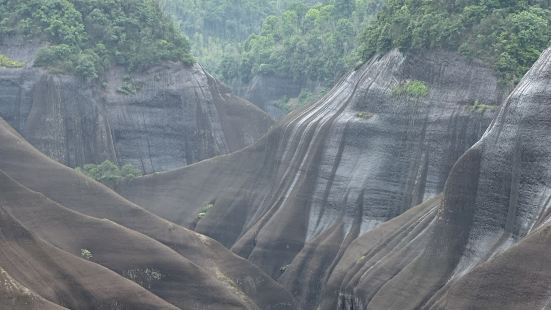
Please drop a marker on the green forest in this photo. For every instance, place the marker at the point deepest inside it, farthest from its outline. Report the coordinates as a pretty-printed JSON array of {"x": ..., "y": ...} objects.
[
  {"x": 313, "y": 41},
  {"x": 509, "y": 35},
  {"x": 86, "y": 37},
  {"x": 319, "y": 41}
]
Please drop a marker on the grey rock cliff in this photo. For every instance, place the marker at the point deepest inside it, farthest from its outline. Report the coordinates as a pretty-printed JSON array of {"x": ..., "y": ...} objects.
[
  {"x": 267, "y": 90},
  {"x": 176, "y": 116},
  {"x": 485, "y": 244},
  {"x": 360, "y": 156}
]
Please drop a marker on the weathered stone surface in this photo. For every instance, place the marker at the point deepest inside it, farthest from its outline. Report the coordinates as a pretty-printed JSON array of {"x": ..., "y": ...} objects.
[
  {"x": 267, "y": 90},
  {"x": 177, "y": 116},
  {"x": 487, "y": 246},
  {"x": 334, "y": 171},
  {"x": 49, "y": 213}
]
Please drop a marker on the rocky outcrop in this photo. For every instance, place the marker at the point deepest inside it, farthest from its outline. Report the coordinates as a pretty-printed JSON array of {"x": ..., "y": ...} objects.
[
  {"x": 161, "y": 119},
  {"x": 486, "y": 244},
  {"x": 362, "y": 155},
  {"x": 267, "y": 90},
  {"x": 49, "y": 214}
]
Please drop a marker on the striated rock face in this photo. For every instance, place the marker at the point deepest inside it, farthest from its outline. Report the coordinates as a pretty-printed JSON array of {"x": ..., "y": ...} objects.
[
  {"x": 486, "y": 244},
  {"x": 167, "y": 117},
  {"x": 362, "y": 155},
  {"x": 266, "y": 90},
  {"x": 49, "y": 214}
]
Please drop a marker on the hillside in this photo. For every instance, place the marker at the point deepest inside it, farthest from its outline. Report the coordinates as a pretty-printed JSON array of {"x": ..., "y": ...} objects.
[
  {"x": 316, "y": 204},
  {"x": 156, "y": 113},
  {"x": 87, "y": 37},
  {"x": 364, "y": 154},
  {"x": 135, "y": 260},
  {"x": 410, "y": 166},
  {"x": 509, "y": 35}
]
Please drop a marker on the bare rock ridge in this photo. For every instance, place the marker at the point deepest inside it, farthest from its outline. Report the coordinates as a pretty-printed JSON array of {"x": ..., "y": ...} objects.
[
  {"x": 364, "y": 154},
  {"x": 485, "y": 245},
  {"x": 165, "y": 118},
  {"x": 49, "y": 214}
]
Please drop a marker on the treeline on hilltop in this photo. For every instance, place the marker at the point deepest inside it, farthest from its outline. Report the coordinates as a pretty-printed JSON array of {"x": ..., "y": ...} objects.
[
  {"x": 314, "y": 43},
  {"x": 86, "y": 37},
  {"x": 218, "y": 27},
  {"x": 320, "y": 42},
  {"x": 506, "y": 34}
]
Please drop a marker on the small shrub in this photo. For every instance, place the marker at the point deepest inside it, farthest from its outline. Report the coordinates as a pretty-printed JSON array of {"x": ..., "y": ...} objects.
[
  {"x": 205, "y": 210},
  {"x": 364, "y": 115},
  {"x": 109, "y": 173},
  {"x": 7, "y": 62},
  {"x": 86, "y": 254},
  {"x": 415, "y": 89},
  {"x": 144, "y": 277},
  {"x": 129, "y": 87},
  {"x": 54, "y": 56},
  {"x": 478, "y": 106}
]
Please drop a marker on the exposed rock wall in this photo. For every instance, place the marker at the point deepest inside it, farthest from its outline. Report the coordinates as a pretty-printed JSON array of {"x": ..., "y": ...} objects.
[
  {"x": 360, "y": 156},
  {"x": 486, "y": 245},
  {"x": 165, "y": 118},
  {"x": 266, "y": 91},
  {"x": 49, "y": 213}
]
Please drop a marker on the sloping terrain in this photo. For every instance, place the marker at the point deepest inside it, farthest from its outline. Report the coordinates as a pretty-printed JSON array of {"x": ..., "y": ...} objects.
[
  {"x": 486, "y": 246},
  {"x": 362, "y": 155},
  {"x": 166, "y": 117},
  {"x": 138, "y": 261}
]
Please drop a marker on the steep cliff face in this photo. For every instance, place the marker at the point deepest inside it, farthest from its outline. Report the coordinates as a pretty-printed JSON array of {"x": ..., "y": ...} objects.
[
  {"x": 360, "y": 156},
  {"x": 167, "y": 117},
  {"x": 486, "y": 244},
  {"x": 267, "y": 90},
  {"x": 49, "y": 214}
]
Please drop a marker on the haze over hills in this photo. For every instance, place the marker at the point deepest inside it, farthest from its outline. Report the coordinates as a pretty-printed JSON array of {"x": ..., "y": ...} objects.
[{"x": 418, "y": 180}]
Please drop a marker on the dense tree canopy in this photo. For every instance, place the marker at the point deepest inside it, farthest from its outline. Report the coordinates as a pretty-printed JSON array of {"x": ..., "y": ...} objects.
[
  {"x": 218, "y": 27},
  {"x": 87, "y": 36},
  {"x": 314, "y": 43},
  {"x": 507, "y": 34}
]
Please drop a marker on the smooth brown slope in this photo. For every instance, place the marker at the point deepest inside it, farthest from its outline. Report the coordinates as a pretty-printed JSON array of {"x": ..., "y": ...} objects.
[
  {"x": 14, "y": 296},
  {"x": 28, "y": 262},
  {"x": 33, "y": 170},
  {"x": 124, "y": 251}
]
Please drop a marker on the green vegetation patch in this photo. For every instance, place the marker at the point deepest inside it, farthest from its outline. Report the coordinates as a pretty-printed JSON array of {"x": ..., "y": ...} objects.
[
  {"x": 414, "y": 88},
  {"x": 86, "y": 254},
  {"x": 144, "y": 277},
  {"x": 109, "y": 173},
  {"x": 364, "y": 115},
  {"x": 478, "y": 106},
  {"x": 129, "y": 87},
  {"x": 86, "y": 37},
  {"x": 205, "y": 210},
  {"x": 508, "y": 35},
  {"x": 303, "y": 43},
  {"x": 7, "y": 62}
]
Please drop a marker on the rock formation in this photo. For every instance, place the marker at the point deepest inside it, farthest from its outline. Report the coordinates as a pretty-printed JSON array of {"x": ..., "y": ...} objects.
[
  {"x": 68, "y": 241},
  {"x": 267, "y": 90},
  {"x": 164, "y": 118},
  {"x": 363, "y": 154},
  {"x": 485, "y": 245}
]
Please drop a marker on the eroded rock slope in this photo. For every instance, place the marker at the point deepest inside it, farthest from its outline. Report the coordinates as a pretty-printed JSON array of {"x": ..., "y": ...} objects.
[
  {"x": 485, "y": 245},
  {"x": 360, "y": 156},
  {"x": 161, "y": 119},
  {"x": 49, "y": 214}
]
